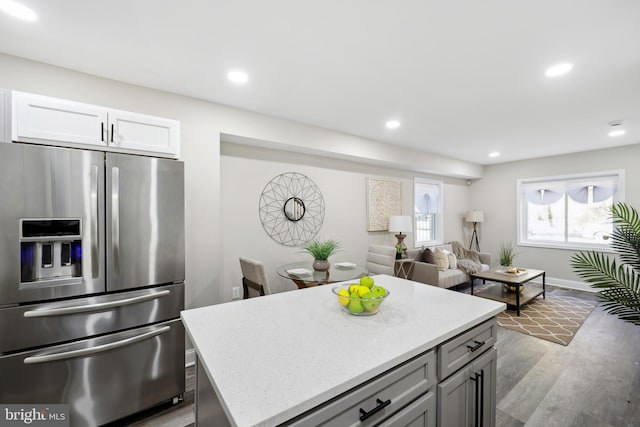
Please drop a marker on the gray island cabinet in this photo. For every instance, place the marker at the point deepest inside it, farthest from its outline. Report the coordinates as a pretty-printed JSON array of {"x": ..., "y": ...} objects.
[{"x": 426, "y": 358}]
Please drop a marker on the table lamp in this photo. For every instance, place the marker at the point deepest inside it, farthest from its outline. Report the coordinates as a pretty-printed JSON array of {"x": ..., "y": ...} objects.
[
  {"x": 400, "y": 223},
  {"x": 475, "y": 217}
]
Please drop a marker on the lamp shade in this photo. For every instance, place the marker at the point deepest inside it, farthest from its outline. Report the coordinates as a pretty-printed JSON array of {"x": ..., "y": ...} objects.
[
  {"x": 400, "y": 223},
  {"x": 474, "y": 216}
]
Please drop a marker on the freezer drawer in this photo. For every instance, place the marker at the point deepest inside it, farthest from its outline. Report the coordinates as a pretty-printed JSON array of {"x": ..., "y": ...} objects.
[
  {"x": 101, "y": 379},
  {"x": 37, "y": 325}
]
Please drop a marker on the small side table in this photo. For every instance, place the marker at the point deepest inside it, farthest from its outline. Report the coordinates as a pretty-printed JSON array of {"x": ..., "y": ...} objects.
[{"x": 404, "y": 267}]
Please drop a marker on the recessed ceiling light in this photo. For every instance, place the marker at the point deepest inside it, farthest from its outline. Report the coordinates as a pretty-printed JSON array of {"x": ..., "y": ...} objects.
[
  {"x": 618, "y": 131},
  {"x": 616, "y": 128},
  {"x": 558, "y": 69},
  {"x": 238, "y": 76},
  {"x": 392, "y": 124},
  {"x": 494, "y": 154},
  {"x": 18, "y": 10}
]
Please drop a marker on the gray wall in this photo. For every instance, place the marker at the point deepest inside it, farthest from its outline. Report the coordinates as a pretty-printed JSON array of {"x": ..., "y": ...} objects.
[
  {"x": 495, "y": 194},
  {"x": 245, "y": 170}
]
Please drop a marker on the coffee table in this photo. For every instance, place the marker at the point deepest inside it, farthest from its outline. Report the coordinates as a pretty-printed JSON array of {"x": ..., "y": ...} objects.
[{"x": 498, "y": 293}]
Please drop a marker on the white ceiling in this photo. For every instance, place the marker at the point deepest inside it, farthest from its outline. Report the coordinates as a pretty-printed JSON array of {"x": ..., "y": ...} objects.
[{"x": 464, "y": 77}]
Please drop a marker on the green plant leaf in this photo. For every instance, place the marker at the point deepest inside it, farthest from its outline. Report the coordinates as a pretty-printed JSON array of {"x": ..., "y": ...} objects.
[
  {"x": 626, "y": 235},
  {"x": 619, "y": 284},
  {"x": 321, "y": 250},
  {"x": 506, "y": 254}
]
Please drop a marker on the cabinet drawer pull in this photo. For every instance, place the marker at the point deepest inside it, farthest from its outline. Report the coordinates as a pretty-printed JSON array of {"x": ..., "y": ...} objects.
[
  {"x": 364, "y": 414},
  {"x": 477, "y": 345}
]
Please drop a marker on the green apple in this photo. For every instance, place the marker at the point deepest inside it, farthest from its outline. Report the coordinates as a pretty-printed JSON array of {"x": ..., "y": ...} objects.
[
  {"x": 379, "y": 291},
  {"x": 367, "y": 281},
  {"x": 355, "y": 305},
  {"x": 371, "y": 302}
]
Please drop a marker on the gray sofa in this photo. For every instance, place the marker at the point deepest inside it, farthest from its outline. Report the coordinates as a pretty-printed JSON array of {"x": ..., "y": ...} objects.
[{"x": 430, "y": 274}]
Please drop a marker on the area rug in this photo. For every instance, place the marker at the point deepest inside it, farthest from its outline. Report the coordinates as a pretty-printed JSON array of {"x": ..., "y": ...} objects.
[{"x": 556, "y": 318}]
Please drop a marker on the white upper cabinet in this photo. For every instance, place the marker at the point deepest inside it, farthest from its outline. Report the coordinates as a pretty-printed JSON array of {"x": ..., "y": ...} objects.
[
  {"x": 40, "y": 119},
  {"x": 144, "y": 133},
  {"x": 45, "y": 120}
]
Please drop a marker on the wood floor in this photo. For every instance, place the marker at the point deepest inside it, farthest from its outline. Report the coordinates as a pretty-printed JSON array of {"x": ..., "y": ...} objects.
[{"x": 592, "y": 382}]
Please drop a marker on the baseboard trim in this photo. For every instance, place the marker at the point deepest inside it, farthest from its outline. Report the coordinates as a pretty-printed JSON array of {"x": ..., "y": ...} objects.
[
  {"x": 568, "y": 284},
  {"x": 190, "y": 357}
]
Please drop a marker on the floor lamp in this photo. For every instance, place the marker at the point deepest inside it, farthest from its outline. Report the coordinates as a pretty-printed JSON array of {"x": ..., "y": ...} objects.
[{"x": 474, "y": 217}]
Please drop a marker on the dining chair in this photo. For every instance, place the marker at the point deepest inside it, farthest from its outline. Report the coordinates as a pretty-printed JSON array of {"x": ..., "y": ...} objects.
[
  {"x": 381, "y": 259},
  {"x": 254, "y": 277}
]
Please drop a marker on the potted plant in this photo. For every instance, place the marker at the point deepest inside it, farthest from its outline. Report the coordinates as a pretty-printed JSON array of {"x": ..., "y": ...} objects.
[
  {"x": 506, "y": 254},
  {"x": 619, "y": 284},
  {"x": 399, "y": 252},
  {"x": 321, "y": 250}
]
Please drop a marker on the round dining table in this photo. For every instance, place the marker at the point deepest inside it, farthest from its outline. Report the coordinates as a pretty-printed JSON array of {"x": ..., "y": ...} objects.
[{"x": 304, "y": 276}]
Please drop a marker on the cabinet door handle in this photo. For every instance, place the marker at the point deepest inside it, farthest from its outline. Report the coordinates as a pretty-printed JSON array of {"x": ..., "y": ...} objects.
[
  {"x": 111, "y": 132},
  {"x": 476, "y": 385},
  {"x": 102, "y": 131},
  {"x": 477, "y": 345},
  {"x": 481, "y": 375},
  {"x": 364, "y": 414}
]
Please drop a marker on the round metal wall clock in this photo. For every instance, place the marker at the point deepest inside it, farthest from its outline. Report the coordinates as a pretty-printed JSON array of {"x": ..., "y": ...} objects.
[{"x": 291, "y": 209}]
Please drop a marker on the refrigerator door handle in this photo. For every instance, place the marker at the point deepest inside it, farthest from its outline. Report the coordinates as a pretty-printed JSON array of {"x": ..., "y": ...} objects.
[
  {"x": 115, "y": 217},
  {"x": 93, "y": 350},
  {"x": 94, "y": 221},
  {"x": 95, "y": 307}
]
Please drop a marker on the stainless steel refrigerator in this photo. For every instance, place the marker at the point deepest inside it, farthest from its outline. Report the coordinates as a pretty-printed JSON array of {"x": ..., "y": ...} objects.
[{"x": 91, "y": 280}]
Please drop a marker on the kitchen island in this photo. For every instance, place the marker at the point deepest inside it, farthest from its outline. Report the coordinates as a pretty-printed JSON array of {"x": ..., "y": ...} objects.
[{"x": 286, "y": 357}]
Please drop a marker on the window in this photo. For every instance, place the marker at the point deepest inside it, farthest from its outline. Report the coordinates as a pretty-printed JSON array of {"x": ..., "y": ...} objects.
[
  {"x": 568, "y": 211},
  {"x": 427, "y": 217}
]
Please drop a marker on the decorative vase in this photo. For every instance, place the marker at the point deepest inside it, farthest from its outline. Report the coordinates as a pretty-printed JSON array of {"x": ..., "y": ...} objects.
[
  {"x": 512, "y": 288},
  {"x": 321, "y": 265}
]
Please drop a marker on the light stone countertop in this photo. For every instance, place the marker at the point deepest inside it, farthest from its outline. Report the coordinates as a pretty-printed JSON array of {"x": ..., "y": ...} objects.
[{"x": 272, "y": 358}]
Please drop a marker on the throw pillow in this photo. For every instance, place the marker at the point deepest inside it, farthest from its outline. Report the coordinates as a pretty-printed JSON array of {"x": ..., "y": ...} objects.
[
  {"x": 453, "y": 261},
  {"x": 441, "y": 259},
  {"x": 427, "y": 256}
]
